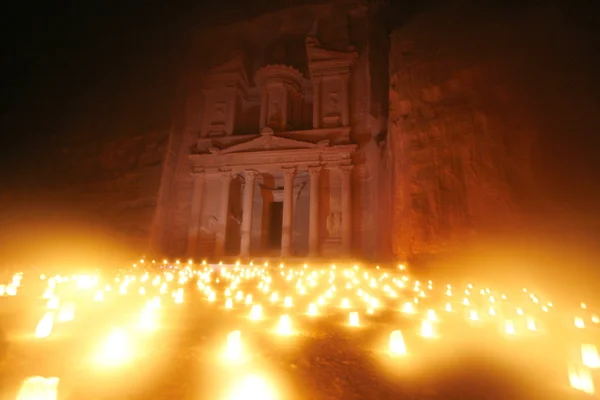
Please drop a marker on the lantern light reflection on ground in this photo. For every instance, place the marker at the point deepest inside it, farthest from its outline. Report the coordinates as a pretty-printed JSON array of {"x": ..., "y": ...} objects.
[{"x": 116, "y": 350}]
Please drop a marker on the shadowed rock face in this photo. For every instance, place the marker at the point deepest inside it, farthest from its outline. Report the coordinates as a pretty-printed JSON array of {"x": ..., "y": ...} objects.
[{"x": 464, "y": 119}]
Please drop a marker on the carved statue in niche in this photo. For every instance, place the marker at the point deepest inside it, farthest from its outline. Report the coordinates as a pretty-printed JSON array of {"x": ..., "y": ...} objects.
[
  {"x": 209, "y": 226},
  {"x": 333, "y": 105},
  {"x": 219, "y": 113},
  {"x": 334, "y": 223},
  {"x": 275, "y": 117}
]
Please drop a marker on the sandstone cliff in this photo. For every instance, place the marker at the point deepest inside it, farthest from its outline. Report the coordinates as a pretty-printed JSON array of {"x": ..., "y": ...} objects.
[
  {"x": 462, "y": 126},
  {"x": 102, "y": 211}
]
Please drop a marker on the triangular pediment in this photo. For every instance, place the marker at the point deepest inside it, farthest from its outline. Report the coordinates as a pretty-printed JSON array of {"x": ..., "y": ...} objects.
[{"x": 267, "y": 142}]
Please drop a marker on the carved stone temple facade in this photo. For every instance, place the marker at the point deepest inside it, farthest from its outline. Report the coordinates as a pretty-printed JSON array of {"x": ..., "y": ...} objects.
[
  {"x": 260, "y": 193},
  {"x": 274, "y": 155}
]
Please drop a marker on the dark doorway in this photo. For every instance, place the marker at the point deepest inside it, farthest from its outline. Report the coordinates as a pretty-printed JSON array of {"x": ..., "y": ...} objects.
[{"x": 275, "y": 220}]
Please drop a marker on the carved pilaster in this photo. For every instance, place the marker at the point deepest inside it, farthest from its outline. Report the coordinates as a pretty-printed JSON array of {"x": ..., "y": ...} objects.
[
  {"x": 313, "y": 227},
  {"x": 196, "y": 210},
  {"x": 288, "y": 205},
  {"x": 346, "y": 209},
  {"x": 224, "y": 86},
  {"x": 226, "y": 178},
  {"x": 330, "y": 74},
  {"x": 246, "y": 228}
]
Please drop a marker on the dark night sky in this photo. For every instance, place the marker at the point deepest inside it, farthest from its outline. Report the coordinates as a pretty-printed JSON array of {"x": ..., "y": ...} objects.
[{"x": 75, "y": 70}]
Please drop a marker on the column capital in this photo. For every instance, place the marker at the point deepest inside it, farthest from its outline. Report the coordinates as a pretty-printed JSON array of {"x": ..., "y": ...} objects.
[
  {"x": 225, "y": 176},
  {"x": 198, "y": 173},
  {"x": 251, "y": 174},
  {"x": 314, "y": 170},
  {"x": 346, "y": 168},
  {"x": 289, "y": 172}
]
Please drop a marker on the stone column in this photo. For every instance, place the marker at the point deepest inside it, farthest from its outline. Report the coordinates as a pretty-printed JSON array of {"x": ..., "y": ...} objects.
[
  {"x": 346, "y": 209},
  {"x": 247, "y": 212},
  {"x": 223, "y": 214},
  {"x": 196, "y": 213},
  {"x": 313, "y": 222},
  {"x": 288, "y": 211}
]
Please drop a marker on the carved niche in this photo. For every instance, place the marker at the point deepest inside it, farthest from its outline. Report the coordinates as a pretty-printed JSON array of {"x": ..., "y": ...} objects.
[
  {"x": 280, "y": 87},
  {"x": 330, "y": 75},
  {"x": 225, "y": 89}
]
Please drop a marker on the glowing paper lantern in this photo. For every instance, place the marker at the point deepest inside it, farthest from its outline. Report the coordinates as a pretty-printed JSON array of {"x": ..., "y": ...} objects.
[
  {"x": 579, "y": 323},
  {"x": 44, "y": 327},
  {"x": 473, "y": 315},
  {"x": 509, "y": 327},
  {"x": 431, "y": 315},
  {"x": 212, "y": 296},
  {"x": 580, "y": 378},
  {"x": 285, "y": 325},
  {"x": 408, "y": 308},
  {"x": 353, "y": 318},
  {"x": 589, "y": 356},
  {"x": 256, "y": 312},
  {"x": 233, "y": 350},
  {"x": 228, "y": 303},
  {"x": 312, "y": 309},
  {"x": 427, "y": 329},
  {"x": 39, "y": 388},
  {"x": 397, "y": 345}
]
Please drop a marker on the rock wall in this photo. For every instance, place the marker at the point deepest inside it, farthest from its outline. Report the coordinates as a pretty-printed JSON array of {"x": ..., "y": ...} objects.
[
  {"x": 462, "y": 128},
  {"x": 102, "y": 211}
]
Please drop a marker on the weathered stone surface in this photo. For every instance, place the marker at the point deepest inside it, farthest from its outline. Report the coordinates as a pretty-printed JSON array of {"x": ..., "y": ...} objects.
[
  {"x": 461, "y": 129},
  {"x": 103, "y": 211}
]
